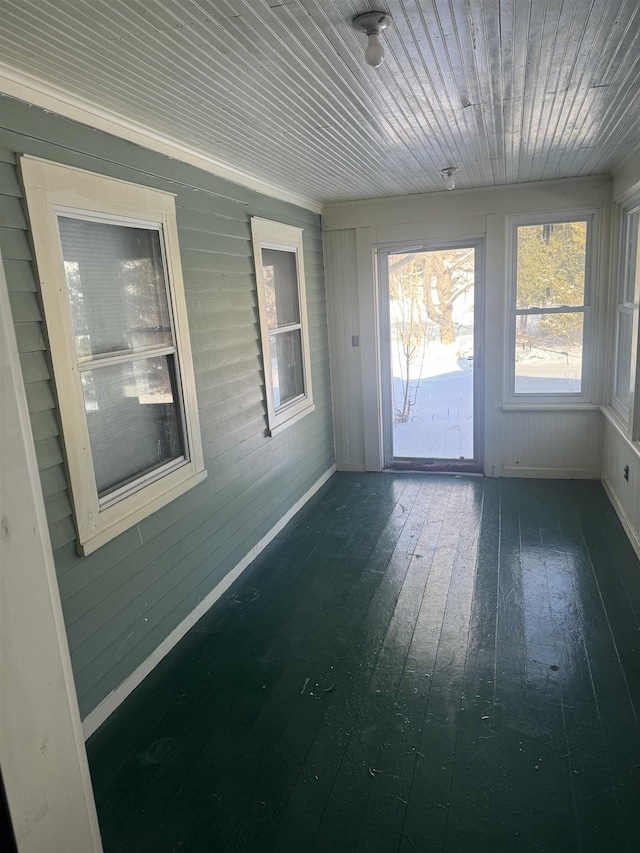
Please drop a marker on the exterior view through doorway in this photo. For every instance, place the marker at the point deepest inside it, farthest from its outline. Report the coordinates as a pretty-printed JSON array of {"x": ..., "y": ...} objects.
[{"x": 429, "y": 310}]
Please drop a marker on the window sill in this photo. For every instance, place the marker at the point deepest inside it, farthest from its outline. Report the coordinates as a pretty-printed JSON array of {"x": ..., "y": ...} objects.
[
  {"x": 277, "y": 428},
  {"x": 142, "y": 508}
]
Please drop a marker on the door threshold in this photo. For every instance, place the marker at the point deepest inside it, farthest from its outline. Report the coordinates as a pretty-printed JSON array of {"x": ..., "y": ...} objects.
[{"x": 436, "y": 466}]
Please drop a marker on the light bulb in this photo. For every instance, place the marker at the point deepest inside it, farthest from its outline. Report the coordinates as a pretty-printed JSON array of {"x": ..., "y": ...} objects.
[
  {"x": 374, "y": 54},
  {"x": 449, "y": 180},
  {"x": 372, "y": 24}
]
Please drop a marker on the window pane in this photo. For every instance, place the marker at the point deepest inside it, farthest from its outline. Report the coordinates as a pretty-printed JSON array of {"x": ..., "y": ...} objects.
[
  {"x": 116, "y": 286},
  {"x": 280, "y": 287},
  {"x": 549, "y": 353},
  {"x": 630, "y": 257},
  {"x": 133, "y": 419},
  {"x": 286, "y": 366},
  {"x": 623, "y": 357},
  {"x": 551, "y": 265}
]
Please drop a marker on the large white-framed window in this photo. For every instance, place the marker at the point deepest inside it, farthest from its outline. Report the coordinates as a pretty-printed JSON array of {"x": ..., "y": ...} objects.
[
  {"x": 552, "y": 264},
  {"x": 109, "y": 267},
  {"x": 282, "y": 302},
  {"x": 627, "y": 329}
]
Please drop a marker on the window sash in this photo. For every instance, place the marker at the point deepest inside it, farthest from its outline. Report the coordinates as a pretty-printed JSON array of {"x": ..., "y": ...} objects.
[
  {"x": 623, "y": 361},
  {"x": 584, "y": 309},
  {"x": 284, "y": 293},
  {"x": 296, "y": 368},
  {"x": 630, "y": 239},
  {"x": 626, "y": 373},
  {"x": 518, "y": 378},
  {"x": 131, "y": 481},
  {"x": 150, "y": 427},
  {"x": 62, "y": 212}
]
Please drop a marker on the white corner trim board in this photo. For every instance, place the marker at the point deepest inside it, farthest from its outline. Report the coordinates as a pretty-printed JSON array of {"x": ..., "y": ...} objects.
[
  {"x": 36, "y": 92},
  {"x": 45, "y": 772},
  {"x": 96, "y": 718}
]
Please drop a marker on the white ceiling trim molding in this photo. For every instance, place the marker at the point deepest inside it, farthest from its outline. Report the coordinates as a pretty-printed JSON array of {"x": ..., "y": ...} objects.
[{"x": 34, "y": 91}]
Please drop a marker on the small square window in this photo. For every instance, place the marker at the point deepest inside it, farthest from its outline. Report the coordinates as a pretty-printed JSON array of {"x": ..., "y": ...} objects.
[
  {"x": 283, "y": 321},
  {"x": 114, "y": 304}
]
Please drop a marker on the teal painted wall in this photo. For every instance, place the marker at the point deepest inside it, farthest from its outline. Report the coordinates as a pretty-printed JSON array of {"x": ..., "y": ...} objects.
[{"x": 123, "y": 600}]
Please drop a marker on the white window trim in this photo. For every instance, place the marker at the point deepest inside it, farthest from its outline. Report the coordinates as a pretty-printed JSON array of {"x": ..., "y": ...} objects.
[
  {"x": 48, "y": 188},
  {"x": 267, "y": 234},
  {"x": 567, "y": 400},
  {"x": 628, "y": 416}
]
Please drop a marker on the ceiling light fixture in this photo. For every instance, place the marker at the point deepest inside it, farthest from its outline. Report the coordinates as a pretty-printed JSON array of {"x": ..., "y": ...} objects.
[
  {"x": 449, "y": 180},
  {"x": 372, "y": 23}
]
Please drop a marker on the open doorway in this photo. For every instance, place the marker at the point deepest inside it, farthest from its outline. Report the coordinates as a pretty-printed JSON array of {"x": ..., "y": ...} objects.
[{"x": 430, "y": 345}]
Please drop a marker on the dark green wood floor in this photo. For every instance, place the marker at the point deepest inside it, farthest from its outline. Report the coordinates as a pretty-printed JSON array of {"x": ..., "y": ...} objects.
[{"x": 418, "y": 663}]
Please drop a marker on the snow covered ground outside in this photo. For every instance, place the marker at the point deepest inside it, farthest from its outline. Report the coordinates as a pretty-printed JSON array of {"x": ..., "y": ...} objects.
[
  {"x": 441, "y": 422},
  {"x": 549, "y": 372}
]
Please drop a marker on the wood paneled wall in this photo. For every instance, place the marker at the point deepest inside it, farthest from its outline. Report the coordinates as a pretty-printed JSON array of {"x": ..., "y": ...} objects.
[
  {"x": 551, "y": 444},
  {"x": 624, "y": 493},
  {"x": 123, "y": 600},
  {"x": 346, "y": 372}
]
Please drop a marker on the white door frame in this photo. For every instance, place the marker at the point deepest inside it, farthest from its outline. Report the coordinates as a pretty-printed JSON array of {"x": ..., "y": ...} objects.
[{"x": 386, "y": 403}]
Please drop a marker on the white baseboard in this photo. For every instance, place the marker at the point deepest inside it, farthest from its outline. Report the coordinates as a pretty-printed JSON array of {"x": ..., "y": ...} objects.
[
  {"x": 552, "y": 473},
  {"x": 96, "y": 718},
  {"x": 632, "y": 533}
]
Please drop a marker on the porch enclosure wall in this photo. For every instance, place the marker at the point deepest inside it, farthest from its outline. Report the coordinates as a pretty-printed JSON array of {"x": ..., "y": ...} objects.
[
  {"x": 122, "y": 601},
  {"x": 519, "y": 439}
]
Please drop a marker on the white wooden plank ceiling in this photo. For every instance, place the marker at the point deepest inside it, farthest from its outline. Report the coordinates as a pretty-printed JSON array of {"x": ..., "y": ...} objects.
[{"x": 506, "y": 90}]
